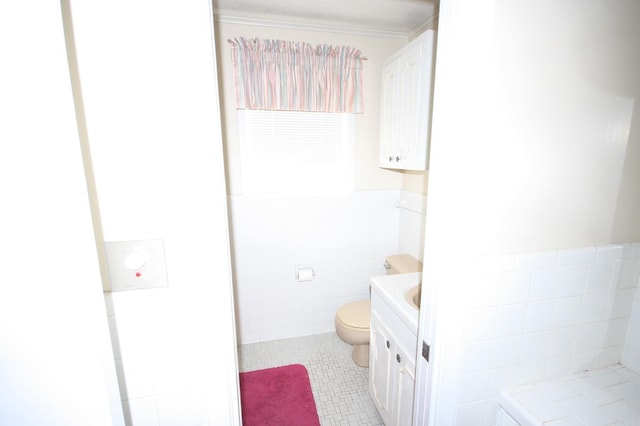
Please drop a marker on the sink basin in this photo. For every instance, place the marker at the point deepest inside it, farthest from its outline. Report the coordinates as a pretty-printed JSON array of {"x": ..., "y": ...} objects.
[{"x": 413, "y": 296}]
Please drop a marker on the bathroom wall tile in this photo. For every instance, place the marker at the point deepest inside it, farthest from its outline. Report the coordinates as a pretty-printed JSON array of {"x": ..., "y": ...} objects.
[
  {"x": 581, "y": 361},
  {"x": 471, "y": 413},
  {"x": 629, "y": 273},
  {"x": 485, "y": 291},
  {"x": 601, "y": 275},
  {"x": 627, "y": 250},
  {"x": 576, "y": 256},
  {"x": 557, "y": 367},
  {"x": 631, "y": 357},
  {"x": 562, "y": 341},
  {"x": 608, "y": 356},
  {"x": 186, "y": 408},
  {"x": 345, "y": 240},
  {"x": 540, "y": 316},
  {"x": 502, "y": 378},
  {"x": 541, "y": 260},
  {"x": 506, "y": 352},
  {"x": 596, "y": 307},
  {"x": 591, "y": 335},
  {"x": 534, "y": 346},
  {"x": 475, "y": 356},
  {"x": 472, "y": 387},
  {"x": 574, "y": 319},
  {"x": 544, "y": 284},
  {"x": 573, "y": 280},
  {"x": 480, "y": 324},
  {"x": 568, "y": 311},
  {"x": 515, "y": 287},
  {"x": 609, "y": 252},
  {"x": 632, "y": 335},
  {"x": 622, "y": 302},
  {"x": 510, "y": 320},
  {"x": 617, "y": 330},
  {"x": 531, "y": 372}
]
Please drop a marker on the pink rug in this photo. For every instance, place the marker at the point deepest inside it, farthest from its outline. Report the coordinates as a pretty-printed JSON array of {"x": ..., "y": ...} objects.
[{"x": 278, "y": 396}]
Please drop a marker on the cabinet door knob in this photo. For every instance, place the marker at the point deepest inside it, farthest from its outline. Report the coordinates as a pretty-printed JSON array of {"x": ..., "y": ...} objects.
[
  {"x": 388, "y": 344},
  {"x": 397, "y": 158},
  {"x": 390, "y": 158},
  {"x": 398, "y": 358}
]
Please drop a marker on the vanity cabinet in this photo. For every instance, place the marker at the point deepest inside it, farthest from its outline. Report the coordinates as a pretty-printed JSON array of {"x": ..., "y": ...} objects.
[
  {"x": 405, "y": 112},
  {"x": 391, "y": 364}
]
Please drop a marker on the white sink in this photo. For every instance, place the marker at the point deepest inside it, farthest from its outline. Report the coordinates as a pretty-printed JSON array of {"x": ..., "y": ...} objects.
[{"x": 413, "y": 296}]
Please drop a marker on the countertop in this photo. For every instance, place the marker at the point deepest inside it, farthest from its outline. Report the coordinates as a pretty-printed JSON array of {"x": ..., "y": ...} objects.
[{"x": 392, "y": 289}]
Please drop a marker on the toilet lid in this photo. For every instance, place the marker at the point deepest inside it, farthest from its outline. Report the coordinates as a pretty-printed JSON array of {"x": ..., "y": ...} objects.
[{"x": 356, "y": 314}]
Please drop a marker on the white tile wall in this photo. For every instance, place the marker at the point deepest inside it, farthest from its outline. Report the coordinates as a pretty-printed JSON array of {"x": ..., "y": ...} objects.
[
  {"x": 344, "y": 239},
  {"x": 539, "y": 316},
  {"x": 160, "y": 372}
]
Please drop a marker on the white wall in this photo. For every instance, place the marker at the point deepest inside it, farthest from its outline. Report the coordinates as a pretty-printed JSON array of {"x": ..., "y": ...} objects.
[
  {"x": 148, "y": 79},
  {"x": 55, "y": 359},
  {"x": 534, "y": 148}
]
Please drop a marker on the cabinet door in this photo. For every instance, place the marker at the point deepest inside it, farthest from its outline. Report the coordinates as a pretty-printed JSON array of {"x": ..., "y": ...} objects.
[
  {"x": 380, "y": 363},
  {"x": 406, "y": 380},
  {"x": 405, "y": 112},
  {"x": 409, "y": 108},
  {"x": 388, "y": 115}
]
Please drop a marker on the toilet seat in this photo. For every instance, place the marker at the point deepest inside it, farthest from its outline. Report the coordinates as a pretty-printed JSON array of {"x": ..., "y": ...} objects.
[{"x": 355, "y": 314}]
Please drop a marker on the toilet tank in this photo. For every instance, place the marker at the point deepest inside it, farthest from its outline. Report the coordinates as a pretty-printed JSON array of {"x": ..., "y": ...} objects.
[{"x": 402, "y": 264}]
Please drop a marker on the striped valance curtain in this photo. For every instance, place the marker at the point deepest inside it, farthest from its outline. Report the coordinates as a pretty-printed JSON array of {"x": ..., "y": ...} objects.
[{"x": 295, "y": 76}]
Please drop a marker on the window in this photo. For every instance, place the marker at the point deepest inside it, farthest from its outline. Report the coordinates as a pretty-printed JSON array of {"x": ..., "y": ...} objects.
[{"x": 296, "y": 154}]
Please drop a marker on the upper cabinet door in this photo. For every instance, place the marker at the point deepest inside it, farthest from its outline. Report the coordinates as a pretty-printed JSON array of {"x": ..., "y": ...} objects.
[
  {"x": 388, "y": 114},
  {"x": 406, "y": 105}
]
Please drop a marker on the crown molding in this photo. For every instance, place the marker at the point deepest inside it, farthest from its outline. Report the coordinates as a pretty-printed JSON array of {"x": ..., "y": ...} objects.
[{"x": 307, "y": 26}]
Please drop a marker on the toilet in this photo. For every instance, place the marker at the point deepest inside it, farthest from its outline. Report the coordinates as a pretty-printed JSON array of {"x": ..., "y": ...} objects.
[{"x": 353, "y": 319}]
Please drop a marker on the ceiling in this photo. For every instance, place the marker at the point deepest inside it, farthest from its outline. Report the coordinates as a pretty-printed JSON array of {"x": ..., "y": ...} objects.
[{"x": 397, "y": 16}]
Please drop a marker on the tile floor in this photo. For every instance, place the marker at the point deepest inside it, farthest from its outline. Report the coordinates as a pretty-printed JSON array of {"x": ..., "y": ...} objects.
[{"x": 339, "y": 386}]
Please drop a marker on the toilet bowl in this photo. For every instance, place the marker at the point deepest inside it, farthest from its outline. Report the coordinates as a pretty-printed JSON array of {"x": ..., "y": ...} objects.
[
  {"x": 353, "y": 319},
  {"x": 352, "y": 325}
]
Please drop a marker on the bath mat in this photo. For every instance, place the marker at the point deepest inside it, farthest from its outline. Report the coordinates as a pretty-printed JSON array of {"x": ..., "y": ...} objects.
[{"x": 278, "y": 396}]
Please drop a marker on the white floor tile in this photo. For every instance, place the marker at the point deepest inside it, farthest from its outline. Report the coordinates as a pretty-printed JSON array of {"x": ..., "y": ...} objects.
[{"x": 339, "y": 386}]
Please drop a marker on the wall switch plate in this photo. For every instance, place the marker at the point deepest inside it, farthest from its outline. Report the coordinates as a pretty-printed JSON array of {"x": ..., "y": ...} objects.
[{"x": 135, "y": 265}]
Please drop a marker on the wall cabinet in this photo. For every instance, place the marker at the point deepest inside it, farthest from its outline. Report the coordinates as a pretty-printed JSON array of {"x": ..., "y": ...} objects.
[
  {"x": 405, "y": 113},
  {"x": 391, "y": 364}
]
